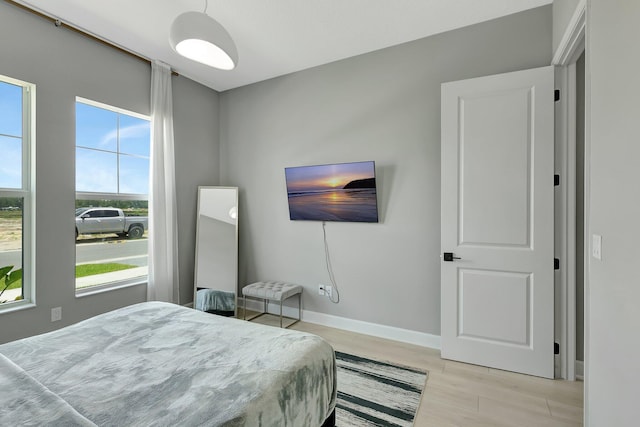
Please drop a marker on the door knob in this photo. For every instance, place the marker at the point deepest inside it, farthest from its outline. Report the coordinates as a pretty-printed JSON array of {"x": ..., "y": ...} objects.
[{"x": 448, "y": 256}]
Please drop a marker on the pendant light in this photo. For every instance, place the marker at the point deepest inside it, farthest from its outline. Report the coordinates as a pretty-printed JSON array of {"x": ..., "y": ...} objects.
[{"x": 197, "y": 36}]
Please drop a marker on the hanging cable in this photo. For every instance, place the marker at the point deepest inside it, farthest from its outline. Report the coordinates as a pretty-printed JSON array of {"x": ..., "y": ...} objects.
[
  {"x": 206, "y": 6},
  {"x": 329, "y": 267}
]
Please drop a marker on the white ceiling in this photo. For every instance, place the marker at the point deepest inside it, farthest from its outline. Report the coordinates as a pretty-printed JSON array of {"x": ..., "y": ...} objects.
[{"x": 275, "y": 37}]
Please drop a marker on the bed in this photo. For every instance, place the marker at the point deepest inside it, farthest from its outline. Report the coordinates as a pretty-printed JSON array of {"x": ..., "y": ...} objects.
[{"x": 165, "y": 365}]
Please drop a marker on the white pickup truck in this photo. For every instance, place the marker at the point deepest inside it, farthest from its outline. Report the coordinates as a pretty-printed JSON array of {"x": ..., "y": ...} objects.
[{"x": 109, "y": 220}]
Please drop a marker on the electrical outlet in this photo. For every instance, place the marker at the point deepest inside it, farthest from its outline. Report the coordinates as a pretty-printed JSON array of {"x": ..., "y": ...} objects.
[
  {"x": 328, "y": 290},
  {"x": 321, "y": 289},
  {"x": 56, "y": 314}
]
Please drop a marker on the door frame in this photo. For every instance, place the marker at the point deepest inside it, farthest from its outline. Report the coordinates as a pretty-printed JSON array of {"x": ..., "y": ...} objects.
[{"x": 571, "y": 47}]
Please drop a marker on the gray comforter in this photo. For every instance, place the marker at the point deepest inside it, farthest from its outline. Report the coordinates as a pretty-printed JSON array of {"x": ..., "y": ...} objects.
[{"x": 164, "y": 365}]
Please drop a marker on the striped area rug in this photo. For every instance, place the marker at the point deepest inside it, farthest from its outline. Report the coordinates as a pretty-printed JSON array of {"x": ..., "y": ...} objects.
[{"x": 372, "y": 393}]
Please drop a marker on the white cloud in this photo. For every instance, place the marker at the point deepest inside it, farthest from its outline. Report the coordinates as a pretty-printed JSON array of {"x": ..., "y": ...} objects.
[{"x": 133, "y": 131}]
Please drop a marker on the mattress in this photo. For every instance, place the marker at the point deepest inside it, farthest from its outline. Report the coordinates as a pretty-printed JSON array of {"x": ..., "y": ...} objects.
[{"x": 162, "y": 364}]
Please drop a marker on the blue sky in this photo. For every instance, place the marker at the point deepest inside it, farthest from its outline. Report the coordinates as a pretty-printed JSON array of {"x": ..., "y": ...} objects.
[
  {"x": 108, "y": 142},
  {"x": 10, "y": 136},
  {"x": 108, "y": 145}
]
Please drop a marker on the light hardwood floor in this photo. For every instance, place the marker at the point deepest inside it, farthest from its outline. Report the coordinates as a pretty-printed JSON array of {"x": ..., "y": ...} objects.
[{"x": 458, "y": 394}]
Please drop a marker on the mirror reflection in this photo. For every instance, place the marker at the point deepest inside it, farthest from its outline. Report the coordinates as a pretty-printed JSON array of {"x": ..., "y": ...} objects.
[{"x": 216, "y": 265}]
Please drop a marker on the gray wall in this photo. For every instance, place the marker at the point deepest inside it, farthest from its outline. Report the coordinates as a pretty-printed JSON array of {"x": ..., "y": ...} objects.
[
  {"x": 197, "y": 150},
  {"x": 64, "y": 65},
  {"x": 382, "y": 106},
  {"x": 563, "y": 11},
  {"x": 613, "y": 293}
]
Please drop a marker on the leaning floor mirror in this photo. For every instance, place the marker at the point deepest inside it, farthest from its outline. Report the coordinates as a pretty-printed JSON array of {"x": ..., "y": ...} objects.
[{"x": 216, "y": 264}]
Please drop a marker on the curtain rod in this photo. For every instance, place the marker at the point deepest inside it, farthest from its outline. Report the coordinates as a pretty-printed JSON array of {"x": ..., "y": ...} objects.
[{"x": 58, "y": 23}]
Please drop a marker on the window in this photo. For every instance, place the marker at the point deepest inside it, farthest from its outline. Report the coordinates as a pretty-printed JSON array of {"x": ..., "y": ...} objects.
[
  {"x": 17, "y": 101},
  {"x": 112, "y": 186}
]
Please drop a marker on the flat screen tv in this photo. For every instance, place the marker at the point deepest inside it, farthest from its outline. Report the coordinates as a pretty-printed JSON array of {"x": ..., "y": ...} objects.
[{"x": 336, "y": 192}]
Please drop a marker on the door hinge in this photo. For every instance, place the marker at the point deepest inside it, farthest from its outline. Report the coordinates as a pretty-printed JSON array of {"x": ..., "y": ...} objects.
[
  {"x": 556, "y": 95},
  {"x": 556, "y": 348},
  {"x": 556, "y": 264},
  {"x": 556, "y": 180}
]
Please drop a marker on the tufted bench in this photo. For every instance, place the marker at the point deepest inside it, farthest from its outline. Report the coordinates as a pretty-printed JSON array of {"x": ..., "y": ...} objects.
[{"x": 271, "y": 291}]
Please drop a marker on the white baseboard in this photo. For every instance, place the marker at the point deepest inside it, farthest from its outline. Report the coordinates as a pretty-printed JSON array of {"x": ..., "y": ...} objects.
[
  {"x": 580, "y": 370},
  {"x": 381, "y": 331}
]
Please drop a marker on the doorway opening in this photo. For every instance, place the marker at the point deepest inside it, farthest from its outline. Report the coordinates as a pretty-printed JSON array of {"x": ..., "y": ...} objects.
[{"x": 572, "y": 196}]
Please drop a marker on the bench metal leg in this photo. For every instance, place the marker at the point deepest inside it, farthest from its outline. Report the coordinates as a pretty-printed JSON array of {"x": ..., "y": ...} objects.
[
  {"x": 244, "y": 304},
  {"x": 265, "y": 302},
  {"x": 299, "y": 312}
]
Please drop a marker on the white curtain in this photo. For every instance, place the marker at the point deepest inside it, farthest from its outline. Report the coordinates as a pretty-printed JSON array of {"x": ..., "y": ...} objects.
[{"x": 163, "y": 225}]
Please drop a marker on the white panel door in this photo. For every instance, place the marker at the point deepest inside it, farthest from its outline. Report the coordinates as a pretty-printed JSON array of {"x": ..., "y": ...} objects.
[{"x": 497, "y": 221}]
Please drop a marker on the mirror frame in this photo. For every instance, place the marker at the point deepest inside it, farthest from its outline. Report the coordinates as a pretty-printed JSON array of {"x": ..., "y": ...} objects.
[{"x": 197, "y": 244}]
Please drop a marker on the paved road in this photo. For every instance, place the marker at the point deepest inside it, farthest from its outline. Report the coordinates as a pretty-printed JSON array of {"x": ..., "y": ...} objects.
[{"x": 132, "y": 252}]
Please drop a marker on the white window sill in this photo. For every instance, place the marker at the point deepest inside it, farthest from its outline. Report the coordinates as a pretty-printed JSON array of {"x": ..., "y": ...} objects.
[
  {"x": 110, "y": 281},
  {"x": 10, "y": 307}
]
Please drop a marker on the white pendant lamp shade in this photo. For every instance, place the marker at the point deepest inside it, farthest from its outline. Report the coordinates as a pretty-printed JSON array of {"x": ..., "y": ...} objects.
[{"x": 199, "y": 37}]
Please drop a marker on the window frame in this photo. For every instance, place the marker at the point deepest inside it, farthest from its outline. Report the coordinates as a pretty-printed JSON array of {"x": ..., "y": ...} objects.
[
  {"x": 88, "y": 195},
  {"x": 27, "y": 193}
]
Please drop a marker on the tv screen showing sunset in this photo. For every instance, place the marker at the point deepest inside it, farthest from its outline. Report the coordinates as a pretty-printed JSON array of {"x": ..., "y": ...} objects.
[{"x": 337, "y": 192}]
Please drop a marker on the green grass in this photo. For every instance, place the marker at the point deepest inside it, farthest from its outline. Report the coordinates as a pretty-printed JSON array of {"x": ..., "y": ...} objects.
[
  {"x": 93, "y": 269},
  {"x": 17, "y": 215},
  {"x": 82, "y": 271}
]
